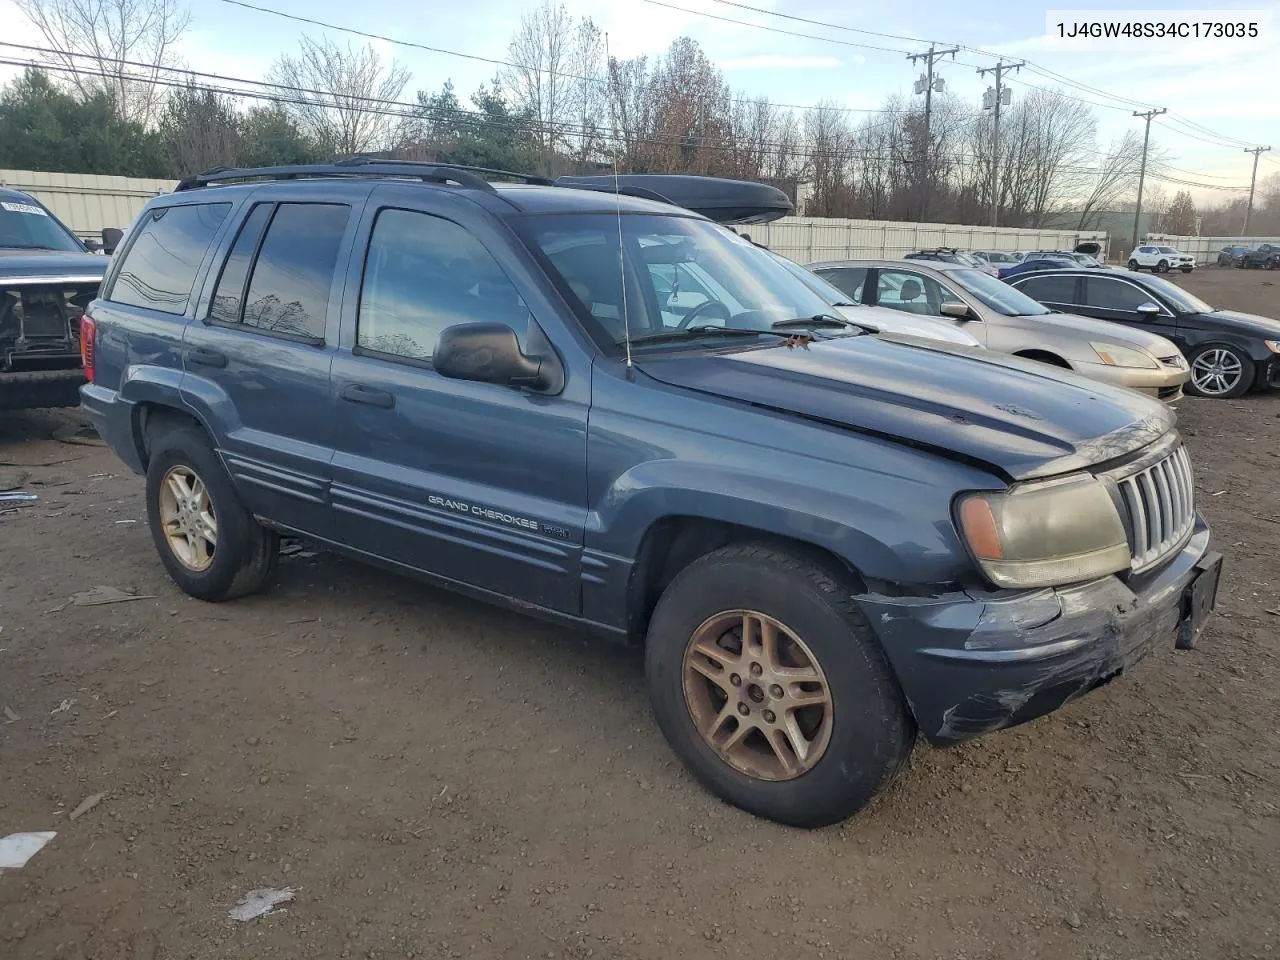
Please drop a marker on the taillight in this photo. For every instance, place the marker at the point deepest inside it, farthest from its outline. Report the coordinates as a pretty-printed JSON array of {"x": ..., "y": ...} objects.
[{"x": 88, "y": 344}]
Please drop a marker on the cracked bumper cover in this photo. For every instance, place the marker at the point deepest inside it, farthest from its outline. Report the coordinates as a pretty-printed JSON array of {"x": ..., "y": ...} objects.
[{"x": 970, "y": 664}]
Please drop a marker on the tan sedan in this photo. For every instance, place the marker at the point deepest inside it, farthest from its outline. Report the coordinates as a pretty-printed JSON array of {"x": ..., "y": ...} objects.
[{"x": 1007, "y": 320}]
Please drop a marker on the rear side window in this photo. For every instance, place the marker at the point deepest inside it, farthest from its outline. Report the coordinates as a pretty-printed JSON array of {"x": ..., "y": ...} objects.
[
  {"x": 287, "y": 293},
  {"x": 1050, "y": 289},
  {"x": 160, "y": 266},
  {"x": 423, "y": 274},
  {"x": 1108, "y": 294},
  {"x": 848, "y": 280}
]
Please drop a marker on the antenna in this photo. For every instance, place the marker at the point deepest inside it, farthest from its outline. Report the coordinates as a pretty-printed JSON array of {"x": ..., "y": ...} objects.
[{"x": 622, "y": 267}]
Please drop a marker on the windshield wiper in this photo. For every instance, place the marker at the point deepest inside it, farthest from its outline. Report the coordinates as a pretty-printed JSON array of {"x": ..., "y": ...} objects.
[
  {"x": 706, "y": 330},
  {"x": 824, "y": 321}
]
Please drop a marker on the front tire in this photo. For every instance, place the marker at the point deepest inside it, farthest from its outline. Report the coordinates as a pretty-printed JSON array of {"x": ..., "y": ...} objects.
[
  {"x": 209, "y": 544},
  {"x": 1133, "y": 265},
  {"x": 1220, "y": 372},
  {"x": 769, "y": 685}
]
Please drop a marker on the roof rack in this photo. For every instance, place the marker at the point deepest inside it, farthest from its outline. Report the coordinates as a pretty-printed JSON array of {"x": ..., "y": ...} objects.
[{"x": 461, "y": 174}]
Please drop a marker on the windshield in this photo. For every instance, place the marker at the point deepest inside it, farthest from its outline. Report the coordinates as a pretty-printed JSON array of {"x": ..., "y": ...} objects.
[
  {"x": 28, "y": 226},
  {"x": 681, "y": 273},
  {"x": 970, "y": 259},
  {"x": 997, "y": 294},
  {"x": 828, "y": 292},
  {"x": 1087, "y": 260},
  {"x": 1178, "y": 298}
]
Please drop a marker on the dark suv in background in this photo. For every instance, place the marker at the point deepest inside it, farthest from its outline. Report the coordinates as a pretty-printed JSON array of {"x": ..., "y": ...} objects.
[
  {"x": 826, "y": 540},
  {"x": 47, "y": 279},
  {"x": 1265, "y": 255}
]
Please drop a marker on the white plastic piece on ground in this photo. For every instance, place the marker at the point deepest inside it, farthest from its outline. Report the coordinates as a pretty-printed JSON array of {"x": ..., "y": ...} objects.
[
  {"x": 258, "y": 903},
  {"x": 17, "y": 848}
]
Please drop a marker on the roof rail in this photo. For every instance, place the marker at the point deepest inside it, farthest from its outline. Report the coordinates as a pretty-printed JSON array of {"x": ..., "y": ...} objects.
[{"x": 358, "y": 167}]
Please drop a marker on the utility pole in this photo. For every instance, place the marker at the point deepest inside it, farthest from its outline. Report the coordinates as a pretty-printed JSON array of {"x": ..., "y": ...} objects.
[
  {"x": 995, "y": 98},
  {"x": 1253, "y": 182},
  {"x": 926, "y": 85},
  {"x": 1142, "y": 171}
]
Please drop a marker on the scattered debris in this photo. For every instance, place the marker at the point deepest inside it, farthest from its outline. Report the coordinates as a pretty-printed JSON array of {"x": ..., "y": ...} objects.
[
  {"x": 303, "y": 620},
  {"x": 87, "y": 804},
  {"x": 6, "y": 462},
  {"x": 17, "y": 848},
  {"x": 259, "y": 903},
  {"x": 19, "y": 496},
  {"x": 1274, "y": 613},
  {"x": 9, "y": 715},
  {"x": 1217, "y": 493},
  {"x": 124, "y": 521},
  {"x": 63, "y": 707},
  {"x": 103, "y": 594}
]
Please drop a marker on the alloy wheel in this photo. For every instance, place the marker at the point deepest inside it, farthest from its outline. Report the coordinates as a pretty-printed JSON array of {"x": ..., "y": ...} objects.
[
  {"x": 187, "y": 518},
  {"x": 757, "y": 695},
  {"x": 1216, "y": 372}
]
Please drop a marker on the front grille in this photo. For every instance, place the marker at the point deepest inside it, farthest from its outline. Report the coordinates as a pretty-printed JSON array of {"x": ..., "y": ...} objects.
[{"x": 1161, "y": 500}]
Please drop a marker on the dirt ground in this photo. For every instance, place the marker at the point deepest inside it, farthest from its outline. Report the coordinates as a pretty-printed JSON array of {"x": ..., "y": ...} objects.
[{"x": 438, "y": 779}]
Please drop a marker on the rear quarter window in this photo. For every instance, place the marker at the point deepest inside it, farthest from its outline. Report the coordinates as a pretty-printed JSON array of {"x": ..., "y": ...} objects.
[{"x": 159, "y": 268}]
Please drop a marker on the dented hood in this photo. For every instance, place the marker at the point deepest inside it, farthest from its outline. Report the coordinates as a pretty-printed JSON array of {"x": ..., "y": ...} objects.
[{"x": 1021, "y": 418}]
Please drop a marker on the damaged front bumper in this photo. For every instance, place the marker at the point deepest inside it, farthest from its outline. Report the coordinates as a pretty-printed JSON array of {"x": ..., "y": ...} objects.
[{"x": 970, "y": 664}]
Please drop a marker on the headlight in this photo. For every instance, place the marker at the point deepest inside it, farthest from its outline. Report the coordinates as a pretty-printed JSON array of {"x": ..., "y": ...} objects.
[
  {"x": 1114, "y": 355},
  {"x": 1044, "y": 534},
  {"x": 1273, "y": 345}
]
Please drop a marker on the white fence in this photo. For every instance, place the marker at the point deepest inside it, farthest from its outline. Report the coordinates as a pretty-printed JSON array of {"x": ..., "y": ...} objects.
[
  {"x": 1205, "y": 249},
  {"x": 87, "y": 202},
  {"x": 806, "y": 239}
]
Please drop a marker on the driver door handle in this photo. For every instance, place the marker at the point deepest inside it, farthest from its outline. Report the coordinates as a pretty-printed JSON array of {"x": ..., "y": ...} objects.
[{"x": 371, "y": 396}]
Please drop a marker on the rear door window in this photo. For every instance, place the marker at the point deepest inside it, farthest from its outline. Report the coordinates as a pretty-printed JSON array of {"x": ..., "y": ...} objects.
[
  {"x": 848, "y": 280},
  {"x": 288, "y": 287},
  {"x": 1108, "y": 294},
  {"x": 1050, "y": 289},
  {"x": 160, "y": 266}
]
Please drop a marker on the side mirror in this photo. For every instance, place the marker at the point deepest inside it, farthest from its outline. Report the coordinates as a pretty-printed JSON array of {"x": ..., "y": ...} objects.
[
  {"x": 111, "y": 237},
  {"x": 957, "y": 311},
  {"x": 1149, "y": 309},
  {"x": 93, "y": 246},
  {"x": 490, "y": 353}
]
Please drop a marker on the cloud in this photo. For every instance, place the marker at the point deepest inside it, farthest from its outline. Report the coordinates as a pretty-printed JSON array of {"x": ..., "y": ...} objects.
[{"x": 778, "y": 61}]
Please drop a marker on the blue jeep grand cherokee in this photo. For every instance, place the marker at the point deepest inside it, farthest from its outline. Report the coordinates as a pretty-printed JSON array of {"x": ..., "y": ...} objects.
[{"x": 610, "y": 411}]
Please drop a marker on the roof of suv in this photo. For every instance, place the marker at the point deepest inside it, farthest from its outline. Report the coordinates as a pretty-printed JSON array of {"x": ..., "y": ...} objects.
[{"x": 715, "y": 198}]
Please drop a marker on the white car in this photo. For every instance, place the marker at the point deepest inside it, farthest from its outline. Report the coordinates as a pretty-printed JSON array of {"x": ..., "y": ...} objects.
[
  {"x": 880, "y": 319},
  {"x": 1160, "y": 259}
]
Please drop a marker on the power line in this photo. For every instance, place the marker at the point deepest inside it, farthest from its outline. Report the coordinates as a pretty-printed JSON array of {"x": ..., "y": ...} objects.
[
  {"x": 496, "y": 62},
  {"x": 1045, "y": 72}
]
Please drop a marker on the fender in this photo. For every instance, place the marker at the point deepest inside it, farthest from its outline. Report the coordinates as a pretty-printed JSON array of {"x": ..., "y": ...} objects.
[{"x": 883, "y": 526}]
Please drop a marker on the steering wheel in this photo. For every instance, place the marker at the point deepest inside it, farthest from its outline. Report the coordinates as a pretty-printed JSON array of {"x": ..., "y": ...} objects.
[{"x": 704, "y": 305}]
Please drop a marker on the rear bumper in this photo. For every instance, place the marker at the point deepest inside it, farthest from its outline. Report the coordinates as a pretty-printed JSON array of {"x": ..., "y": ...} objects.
[
  {"x": 30, "y": 389},
  {"x": 113, "y": 419},
  {"x": 970, "y": 664}
]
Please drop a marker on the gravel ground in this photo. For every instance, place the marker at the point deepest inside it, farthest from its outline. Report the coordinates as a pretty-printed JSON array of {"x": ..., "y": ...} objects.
[{"x": 440, "y": 779}]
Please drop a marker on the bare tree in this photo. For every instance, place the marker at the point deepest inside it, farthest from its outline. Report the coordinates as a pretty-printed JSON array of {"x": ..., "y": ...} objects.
[
  {"x": 343, "y": 97},
  {"x": 539, "y": 80},
  {"x": 1116, "y": 177},
  {"x": 1180, "y": 219},
  {"x": 200, "y": 130},
  {"x": 108, "y": 37}
]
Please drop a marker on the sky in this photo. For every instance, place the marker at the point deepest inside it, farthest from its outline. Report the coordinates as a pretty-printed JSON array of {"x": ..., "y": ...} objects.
[{"x": 1226, "y": 85}]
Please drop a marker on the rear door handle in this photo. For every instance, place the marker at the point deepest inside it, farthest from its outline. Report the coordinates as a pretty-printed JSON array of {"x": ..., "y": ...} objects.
[
  {"x": 206, "y": 358},
  {"x": 359, "y": 393}
]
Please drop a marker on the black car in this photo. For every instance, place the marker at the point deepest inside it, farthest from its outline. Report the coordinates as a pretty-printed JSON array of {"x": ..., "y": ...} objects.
[
  {"x": 1229, "y": 352},
  {"x": 1265, "y": 255},
  {"x": 1231, "y": 256}
]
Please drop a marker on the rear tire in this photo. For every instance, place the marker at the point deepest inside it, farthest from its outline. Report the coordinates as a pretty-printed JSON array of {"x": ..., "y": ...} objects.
[
  {"x": 209, "y": 544},
  {"x": 1162, "y": 266},
  {"x": 862, "y": 732},
  {"x": 1185, "y": 269}
]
